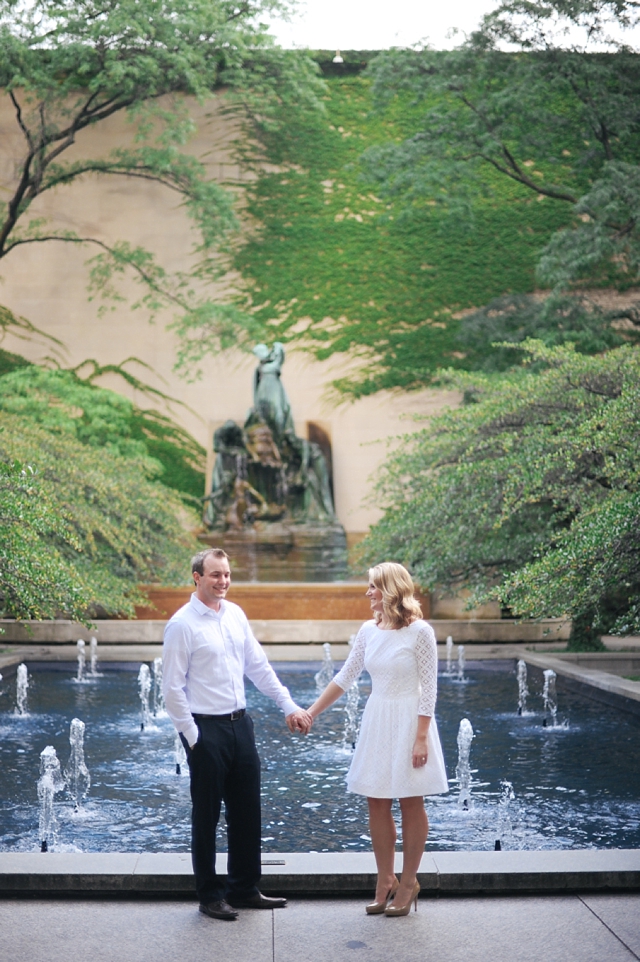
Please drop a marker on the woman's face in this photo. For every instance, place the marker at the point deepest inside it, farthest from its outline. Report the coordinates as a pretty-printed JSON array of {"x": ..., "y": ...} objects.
[{"x": 375, "y": 597}]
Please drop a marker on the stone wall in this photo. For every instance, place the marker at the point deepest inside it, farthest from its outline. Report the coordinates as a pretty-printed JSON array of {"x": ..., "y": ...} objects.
[{"x": 46, "y": 283}]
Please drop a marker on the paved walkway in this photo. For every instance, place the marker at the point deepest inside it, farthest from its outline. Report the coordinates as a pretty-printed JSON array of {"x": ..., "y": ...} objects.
[{"x": 585, "y": 928}]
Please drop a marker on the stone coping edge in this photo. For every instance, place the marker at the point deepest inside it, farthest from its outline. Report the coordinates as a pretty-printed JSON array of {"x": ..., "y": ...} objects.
[
  {"x": 321, "y": 874},
  {"x": 466, "y": 631},
  {"x": 601, "y": 685}
]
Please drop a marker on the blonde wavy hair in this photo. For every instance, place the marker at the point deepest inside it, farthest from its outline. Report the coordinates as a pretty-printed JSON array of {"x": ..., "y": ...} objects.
[{"x": 395, "y": 583}]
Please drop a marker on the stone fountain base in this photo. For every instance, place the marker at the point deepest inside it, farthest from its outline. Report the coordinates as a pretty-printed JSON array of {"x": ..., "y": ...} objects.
[{"x": 278, "y": 551}]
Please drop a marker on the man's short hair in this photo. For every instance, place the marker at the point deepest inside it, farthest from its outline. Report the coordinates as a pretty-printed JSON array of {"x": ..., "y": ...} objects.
[{"x": 197, "y": 562}]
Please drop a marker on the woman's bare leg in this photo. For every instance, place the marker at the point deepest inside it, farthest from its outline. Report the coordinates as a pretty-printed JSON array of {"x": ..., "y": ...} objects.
[
  {"x": 415, "y": 829},
  {"x": 383, "y": 839}
]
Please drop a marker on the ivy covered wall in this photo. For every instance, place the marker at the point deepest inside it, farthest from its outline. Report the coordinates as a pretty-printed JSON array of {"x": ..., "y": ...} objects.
[{"x": 331, "y": 260}]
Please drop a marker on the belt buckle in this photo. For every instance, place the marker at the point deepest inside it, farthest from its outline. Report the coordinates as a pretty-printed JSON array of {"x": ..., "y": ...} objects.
[{"x": 235, "y": 715}]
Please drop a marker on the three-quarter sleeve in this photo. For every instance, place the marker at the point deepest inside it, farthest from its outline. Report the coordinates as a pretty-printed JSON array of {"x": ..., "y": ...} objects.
[
  {"x": 354, "y": 664},
  {"x": 427, "y": 659}
]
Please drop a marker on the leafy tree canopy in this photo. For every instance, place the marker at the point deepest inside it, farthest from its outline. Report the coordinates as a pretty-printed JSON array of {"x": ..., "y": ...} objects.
[
  {"x": 555, "y": 320},
  {"x": 539, "y": 104},
  {"x": 69, "y": 66},
  {"x": 35, "y": 579},
  {"x": 334, "y": 268},
  {"x": 64, "y": 403},
  {"x": 81, "y": 526},
  {"x": 529, "y": 494},
  {"x": 519, "y": 96},
  {"x": 478, "y": 157}
]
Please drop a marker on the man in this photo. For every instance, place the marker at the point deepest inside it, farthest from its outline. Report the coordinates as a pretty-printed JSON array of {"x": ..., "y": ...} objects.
[{"x": 208, "y": 648}]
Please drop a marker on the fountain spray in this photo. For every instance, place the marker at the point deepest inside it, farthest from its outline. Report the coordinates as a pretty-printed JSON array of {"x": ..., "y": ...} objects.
[
  {"x": 523, "y": 691},
  {"x": 158, "y": 696},
  {"x": 550, "y": 697},
  {"x": 449, "y": 656},
  {"x": 93, "y": 670},
  {"x": 144, "y": 689},
  {"x": 461, "y": 664},
  {"x": 463, "y": 769},
  {"x": 505, "y": 828},
  {"x": 22, "y": 684},
  {"x": 81, "y": 659},
  {"x": 325, "y": 675},
  {"x": 76, "y": 772},
  {"x": 49, "y": 783},
  {"x": 351, "y": 716}
]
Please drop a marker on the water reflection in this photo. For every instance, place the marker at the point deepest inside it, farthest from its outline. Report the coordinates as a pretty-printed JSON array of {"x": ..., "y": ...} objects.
[{"x": 574, "y": 787}]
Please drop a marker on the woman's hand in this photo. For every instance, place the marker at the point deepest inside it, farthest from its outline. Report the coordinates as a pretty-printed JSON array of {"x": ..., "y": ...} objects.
[
  {"x": 420, "y": 753},
  {"x": 299, "y": 721}
]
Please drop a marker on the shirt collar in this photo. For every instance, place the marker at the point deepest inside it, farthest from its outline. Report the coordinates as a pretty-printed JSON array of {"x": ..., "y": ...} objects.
[{"x": 203, "y": 609}]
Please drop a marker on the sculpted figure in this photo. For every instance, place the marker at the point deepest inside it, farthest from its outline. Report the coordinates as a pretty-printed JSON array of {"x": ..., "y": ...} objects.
[
  {"x": 228, "y": 443},
  {"x": 261, "y": 446},
  {"x": 270, "y": 401},
  {"x": 246, "y": 504},
  {"x": 265, "y": 472}
]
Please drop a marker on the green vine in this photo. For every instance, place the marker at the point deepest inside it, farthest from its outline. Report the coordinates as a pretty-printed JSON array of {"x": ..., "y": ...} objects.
[{"x": 335, "y": 267}]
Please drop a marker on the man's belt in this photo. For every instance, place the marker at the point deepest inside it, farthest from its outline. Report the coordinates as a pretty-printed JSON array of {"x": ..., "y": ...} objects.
[{"x": 239, "y": 713}]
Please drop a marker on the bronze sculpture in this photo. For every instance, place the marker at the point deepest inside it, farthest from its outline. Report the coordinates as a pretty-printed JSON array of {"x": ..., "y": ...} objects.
[{"x": 271, "y": 487}]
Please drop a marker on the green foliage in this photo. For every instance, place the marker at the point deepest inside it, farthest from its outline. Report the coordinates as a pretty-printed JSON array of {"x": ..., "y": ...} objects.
[
  {"x": 66, "y": 67},
  {"x": 24, "y": 330},
  {"x": 36, "y": 581},
  {"x": 547, "y": 115},
  {"x": 97, "y": 524},
  {"x": 333, "y": 267},
  {"x": 518, "y": 109},
  {"x": 559, "y": 319},
  {"x": 65, "y": 404},
  {"x": 180, "y": 455},
  {"x": 9, "y": 362},
  {"x": 530, "y": 494},
  {"x": 605, "y": 245}
]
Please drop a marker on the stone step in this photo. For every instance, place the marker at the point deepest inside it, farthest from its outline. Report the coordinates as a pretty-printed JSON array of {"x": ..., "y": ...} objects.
[{"x": 323, "y": 873}]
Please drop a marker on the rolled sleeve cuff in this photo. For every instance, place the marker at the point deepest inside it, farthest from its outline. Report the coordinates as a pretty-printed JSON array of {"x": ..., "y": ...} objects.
[
  {"x": 288, "y": 706},
  {"x": 191, "y": 733}
]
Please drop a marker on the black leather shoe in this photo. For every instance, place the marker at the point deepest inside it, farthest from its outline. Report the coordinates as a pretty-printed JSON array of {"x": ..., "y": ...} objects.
[
  {"x": 258, "y": 901},
  {"x": 219, "y": 910}
]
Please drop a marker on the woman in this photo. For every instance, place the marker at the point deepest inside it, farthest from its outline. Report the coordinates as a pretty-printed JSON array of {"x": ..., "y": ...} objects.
[{"x": 398, "y": 754}]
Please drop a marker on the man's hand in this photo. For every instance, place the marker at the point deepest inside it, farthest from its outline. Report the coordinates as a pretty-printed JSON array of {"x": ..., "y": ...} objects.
[{"x": 299, "y": 721}]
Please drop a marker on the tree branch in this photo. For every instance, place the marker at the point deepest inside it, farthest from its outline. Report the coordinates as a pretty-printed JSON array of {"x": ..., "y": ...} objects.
[
  {"x": 513, "y": 170},
  {"x": 144, "y": 276},
  {"x": 97, "y": 169},
  {"x": 23, "y": 126}
]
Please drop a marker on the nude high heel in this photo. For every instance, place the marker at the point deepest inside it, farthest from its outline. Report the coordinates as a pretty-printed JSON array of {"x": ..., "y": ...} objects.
[
  {"x": 393, "y": 910},
  {"x": 377, "y": 908}
]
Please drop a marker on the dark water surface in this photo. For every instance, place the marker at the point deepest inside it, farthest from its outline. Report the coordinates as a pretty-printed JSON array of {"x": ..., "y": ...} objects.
[{"x": 575, "y": 787}]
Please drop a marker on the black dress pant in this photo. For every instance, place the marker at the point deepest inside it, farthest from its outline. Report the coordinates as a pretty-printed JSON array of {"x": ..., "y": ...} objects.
[{"x": 225, "y": 768}]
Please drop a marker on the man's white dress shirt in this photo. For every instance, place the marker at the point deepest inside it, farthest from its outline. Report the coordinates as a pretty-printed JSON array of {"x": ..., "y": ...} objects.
[{"x": 205, "y": 656}]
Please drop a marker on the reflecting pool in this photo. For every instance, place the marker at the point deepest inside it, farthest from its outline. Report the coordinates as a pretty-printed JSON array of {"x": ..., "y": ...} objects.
[{"x": 574, "y": 786}]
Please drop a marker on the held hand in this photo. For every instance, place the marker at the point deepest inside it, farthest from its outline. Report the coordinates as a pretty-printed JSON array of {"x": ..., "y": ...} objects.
[
  {"x": 420, "y": 754},
  {"x": 299, "y": 721}
]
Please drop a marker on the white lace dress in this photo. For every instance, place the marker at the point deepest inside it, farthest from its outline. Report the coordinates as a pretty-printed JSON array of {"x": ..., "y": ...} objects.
[{"x": 403, "y": 664}]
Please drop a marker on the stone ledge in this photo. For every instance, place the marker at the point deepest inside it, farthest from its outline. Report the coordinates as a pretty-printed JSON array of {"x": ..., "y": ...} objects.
[
  {"x": 601, "y": 686},
  {"x": 323, "y": 874},
  {"x": 621, "y": 642},
  {"x": 480, "y": 631}
]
